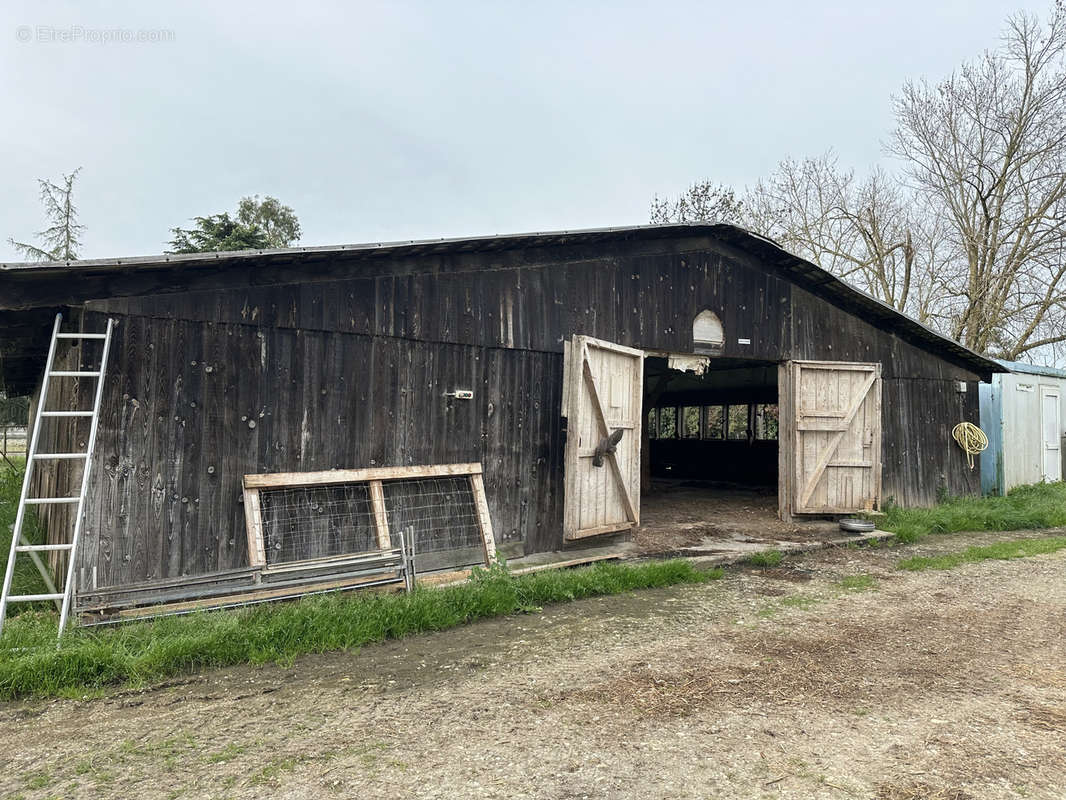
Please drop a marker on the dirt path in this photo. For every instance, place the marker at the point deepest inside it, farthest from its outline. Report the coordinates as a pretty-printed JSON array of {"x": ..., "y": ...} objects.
[{"x": 782, "y": 684}]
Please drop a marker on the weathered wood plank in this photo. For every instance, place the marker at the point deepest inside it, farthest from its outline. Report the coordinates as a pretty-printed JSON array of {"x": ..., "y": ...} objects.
[{"x": 327, "y": 477}]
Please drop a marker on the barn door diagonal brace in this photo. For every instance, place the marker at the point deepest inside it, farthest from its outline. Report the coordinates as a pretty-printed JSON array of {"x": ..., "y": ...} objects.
[{"x": 605, "y": 431}]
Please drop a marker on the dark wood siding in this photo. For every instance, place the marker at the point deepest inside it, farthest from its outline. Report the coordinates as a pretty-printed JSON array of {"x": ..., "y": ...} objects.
[
  {"x": 192, "y": 407},
  {"x": 207, "y": 386},
  {"x": 642, "y": 301},
  {"x": 920, "y": 403}
]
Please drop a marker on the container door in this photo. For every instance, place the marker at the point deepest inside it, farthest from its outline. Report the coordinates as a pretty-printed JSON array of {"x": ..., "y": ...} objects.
[
  {"x": 1049, "y": 428},
  {"x": 603, "y": 391},
  {"x": 836, "y": 437}
]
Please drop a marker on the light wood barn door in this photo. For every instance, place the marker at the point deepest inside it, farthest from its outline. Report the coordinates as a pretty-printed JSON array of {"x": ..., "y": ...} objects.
[
  {"x": 836, "y": 437},
  {"x": 602, "y": 395}
]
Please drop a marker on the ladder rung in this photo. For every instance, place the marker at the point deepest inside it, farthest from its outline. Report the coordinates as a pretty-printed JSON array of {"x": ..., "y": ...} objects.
[
  {"x": 60, "y": 455},
  {"x": 40, "y": 548},
  {"x": 81, "y": 335},
  {"x": 45, "y": 501},
  {"x": 66, "y": 413},
  {"x": 74, "y": 373},
  {"x": 29, "y": 598}
]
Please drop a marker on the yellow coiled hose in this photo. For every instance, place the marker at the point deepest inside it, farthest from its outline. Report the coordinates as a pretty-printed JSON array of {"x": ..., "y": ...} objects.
[{"x": 970, "y": 438}]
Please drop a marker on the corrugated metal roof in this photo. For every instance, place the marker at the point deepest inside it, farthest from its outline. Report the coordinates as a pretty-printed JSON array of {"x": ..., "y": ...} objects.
[
  {"x": 799, "y": 270},
  {"x": 1032, "y": 369}
]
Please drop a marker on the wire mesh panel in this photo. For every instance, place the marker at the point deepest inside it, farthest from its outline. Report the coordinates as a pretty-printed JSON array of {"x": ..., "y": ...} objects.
[
  {"x": 307, "y": 522},
  {"x": 296, "y": 517},
  {"x": 438, "y": 514}
]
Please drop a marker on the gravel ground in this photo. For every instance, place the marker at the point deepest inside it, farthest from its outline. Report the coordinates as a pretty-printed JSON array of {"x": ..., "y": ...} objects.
[{"x": 834, "y": 676}]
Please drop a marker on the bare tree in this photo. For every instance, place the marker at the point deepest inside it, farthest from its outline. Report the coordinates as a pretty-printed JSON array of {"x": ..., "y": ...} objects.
[
  {"x": 867, "y": 232},
  {"x": 61, "y": 240},
  {"x": 702, "y": 202},
  {"x": 986, "y": 148}
]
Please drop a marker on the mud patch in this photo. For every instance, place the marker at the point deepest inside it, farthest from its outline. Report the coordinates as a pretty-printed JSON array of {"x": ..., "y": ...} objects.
[{"x": 854, "y": 665}]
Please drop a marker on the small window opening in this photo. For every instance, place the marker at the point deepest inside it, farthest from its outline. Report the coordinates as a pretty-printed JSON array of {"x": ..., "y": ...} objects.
[{"x": 707, "y": 333}]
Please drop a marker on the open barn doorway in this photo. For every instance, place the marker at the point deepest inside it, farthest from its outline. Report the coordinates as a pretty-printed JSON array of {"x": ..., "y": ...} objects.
[{"x": 710, "y": 447}]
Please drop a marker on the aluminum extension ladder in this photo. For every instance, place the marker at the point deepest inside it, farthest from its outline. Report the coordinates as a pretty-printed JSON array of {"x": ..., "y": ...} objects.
[{"x": 19, "y": 545}]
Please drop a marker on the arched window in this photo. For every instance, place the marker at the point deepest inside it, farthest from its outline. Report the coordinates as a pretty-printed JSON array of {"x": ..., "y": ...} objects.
[{"x": 707, "y": 333}]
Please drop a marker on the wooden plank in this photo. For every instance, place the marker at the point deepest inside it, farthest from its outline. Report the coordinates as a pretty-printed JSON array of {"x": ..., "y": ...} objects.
[
  {"x": 878, "y": 434},
  {"x": 784, "y": 441},
  {"x": 331, "y": 476},
  {"x": 253, "y": 522},
  {"x": 484, "y": 521},
  {"x": 613, "y": 527},
  {"x": 461, "y": 575},
  {"x": 838, "y": 366},
  {"x": 571, "y": 485},
  {"x": 381, "y": 517}
]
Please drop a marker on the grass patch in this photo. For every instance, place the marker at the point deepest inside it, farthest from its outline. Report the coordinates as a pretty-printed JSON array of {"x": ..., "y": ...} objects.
[
  {"x": 767, "y": 559},
  {"x": 1017, "y": 548},
  {"x": 801, "y": 601},
  {"x": 139, "y": 653},
  {"x": 227, "y": 753},
  {"x": 857, "y": 583},
  {"x": 1040, "y": 505}
]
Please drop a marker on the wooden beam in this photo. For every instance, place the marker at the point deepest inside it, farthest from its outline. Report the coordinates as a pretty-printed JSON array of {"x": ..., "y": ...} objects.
[
  {"x": 253, "y": 525},
  {"x": 381, "y": 517},
  {"x": 785, "y": 441},
  {"x": 613, "y": 527},
  {"x": 488, "y": 541},
  {"x": 331, "y": 476}
]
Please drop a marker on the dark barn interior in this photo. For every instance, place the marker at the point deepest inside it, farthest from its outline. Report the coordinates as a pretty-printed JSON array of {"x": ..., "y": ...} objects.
[{"x": 716, "y": 427}]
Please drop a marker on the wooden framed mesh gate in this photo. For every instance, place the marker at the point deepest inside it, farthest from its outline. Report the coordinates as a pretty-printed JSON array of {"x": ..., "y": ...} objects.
[{"x": 298, "y": 520}]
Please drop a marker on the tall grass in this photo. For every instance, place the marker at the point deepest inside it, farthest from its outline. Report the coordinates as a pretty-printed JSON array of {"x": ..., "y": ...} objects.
[
  {"x": 1018, "y": 548},
  {"x": 1041, "y": 505},
  {"x": 142, "y": 652}
]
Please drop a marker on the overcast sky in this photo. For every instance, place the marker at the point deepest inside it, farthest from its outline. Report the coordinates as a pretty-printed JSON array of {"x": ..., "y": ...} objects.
[{"x": 418, "y": 120}]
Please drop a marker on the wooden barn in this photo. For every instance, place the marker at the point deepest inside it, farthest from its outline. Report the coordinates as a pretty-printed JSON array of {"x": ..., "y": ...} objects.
[{"x": 572, "y": 367}]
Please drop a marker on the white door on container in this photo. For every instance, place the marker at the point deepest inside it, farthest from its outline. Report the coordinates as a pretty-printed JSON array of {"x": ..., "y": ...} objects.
[
  {"x": 1050, "y": 433},
  {"x": 603, "y": 386}
]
